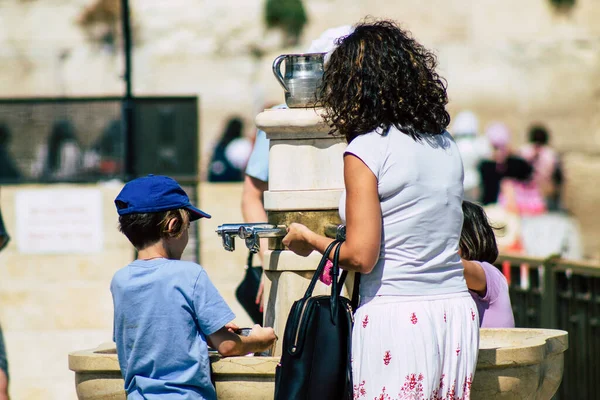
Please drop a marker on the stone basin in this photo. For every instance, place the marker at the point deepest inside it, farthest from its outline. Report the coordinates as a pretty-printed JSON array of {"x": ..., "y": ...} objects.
[
  {"x": 98, "y": 375},
  {"x": 518, "y": 363}
]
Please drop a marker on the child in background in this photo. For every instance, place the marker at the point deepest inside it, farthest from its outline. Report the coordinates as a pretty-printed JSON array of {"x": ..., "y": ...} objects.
[
  {"x": 487, "y": 285},
  {"x": 167, "y": 311},
  {"x": 478, "y": 251}
]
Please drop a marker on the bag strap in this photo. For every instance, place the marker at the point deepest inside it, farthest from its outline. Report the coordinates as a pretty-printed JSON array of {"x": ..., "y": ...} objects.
[
  {"x": 320, "y": 269},
  {"x": 335, "y": 295},
  {"x": 355, "y": 288},
  {"x": 250, "y": 258},
  {"x": 355, "y": 291}
]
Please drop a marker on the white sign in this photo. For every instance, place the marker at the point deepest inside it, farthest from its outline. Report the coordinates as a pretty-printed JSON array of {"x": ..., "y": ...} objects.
[{"x": 59, "y": 221}]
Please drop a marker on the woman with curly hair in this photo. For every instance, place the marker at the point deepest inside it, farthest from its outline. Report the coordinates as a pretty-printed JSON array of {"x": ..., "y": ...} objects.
[{"x": 416, "y": 331}]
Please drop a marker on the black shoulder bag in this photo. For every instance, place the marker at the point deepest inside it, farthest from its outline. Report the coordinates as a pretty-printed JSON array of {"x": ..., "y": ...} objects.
[
  {"x": 315, "y": 363},
  {"x": 246, "y": 291}
]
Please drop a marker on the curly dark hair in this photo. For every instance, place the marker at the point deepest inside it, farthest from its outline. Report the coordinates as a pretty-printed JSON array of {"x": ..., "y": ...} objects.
[{"x": 379, "y": 77}]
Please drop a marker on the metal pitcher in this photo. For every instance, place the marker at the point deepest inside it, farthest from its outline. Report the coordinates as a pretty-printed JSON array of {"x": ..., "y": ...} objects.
[{"x": 302, "y": 78}]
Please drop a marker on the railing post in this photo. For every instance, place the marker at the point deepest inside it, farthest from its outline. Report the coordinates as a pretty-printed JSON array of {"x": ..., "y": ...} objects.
[{"x": 549, "y": 299}]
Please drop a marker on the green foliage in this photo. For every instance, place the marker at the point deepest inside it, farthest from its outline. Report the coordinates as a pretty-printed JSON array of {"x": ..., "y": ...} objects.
[
  {"x": 288, "y": 15},
  {"x": 563, "y": 4}
]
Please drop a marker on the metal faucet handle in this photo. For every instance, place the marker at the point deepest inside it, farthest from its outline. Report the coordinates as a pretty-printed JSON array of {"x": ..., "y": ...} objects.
[
  {"x": 337, "y": 232},
  {"x": 251, "y": 233},
  {"x": 262, "y": 231},
  {"x": 228, "y": 242}
]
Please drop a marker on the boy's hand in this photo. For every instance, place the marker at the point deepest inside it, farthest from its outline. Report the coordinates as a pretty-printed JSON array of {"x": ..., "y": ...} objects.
[
  {"x": 263, "y": 335},
  {"x": 231, "y": 327}
]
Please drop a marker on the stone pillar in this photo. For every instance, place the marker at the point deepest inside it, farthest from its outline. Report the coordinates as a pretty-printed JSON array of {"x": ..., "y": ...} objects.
[{"x": 305, "y": 184}]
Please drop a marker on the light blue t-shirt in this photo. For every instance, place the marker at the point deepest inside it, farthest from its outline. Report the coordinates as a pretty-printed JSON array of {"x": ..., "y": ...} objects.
[
  {"x": 258, "y": 164},
  {"x": 164, "y": 310}
]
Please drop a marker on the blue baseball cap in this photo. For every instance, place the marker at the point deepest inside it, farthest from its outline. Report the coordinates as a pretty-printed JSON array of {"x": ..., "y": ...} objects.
[{"x": 155, "y": 193}]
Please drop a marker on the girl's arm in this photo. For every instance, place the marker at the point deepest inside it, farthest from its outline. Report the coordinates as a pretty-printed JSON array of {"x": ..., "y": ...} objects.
[
  {"x": 360, "y": 251},
  {"x": 475, "y": 277}
]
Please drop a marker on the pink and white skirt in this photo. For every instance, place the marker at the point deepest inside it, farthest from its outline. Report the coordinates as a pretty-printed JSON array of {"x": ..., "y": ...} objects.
[{"x": 415, "y": 347}]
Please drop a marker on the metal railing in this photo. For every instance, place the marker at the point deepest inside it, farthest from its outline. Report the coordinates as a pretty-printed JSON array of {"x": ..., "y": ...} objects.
[
  {"x": 35, "y": 134},
  {"x": 560, "y": 294},
  {"x": 84, "y": 139}
]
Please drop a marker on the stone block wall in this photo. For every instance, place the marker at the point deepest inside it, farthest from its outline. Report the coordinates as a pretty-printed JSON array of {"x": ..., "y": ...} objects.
[
  {"x": 52, "y": 304},
  {"x": 511, "y": 61},
  {"x": 582, "y": 198}
]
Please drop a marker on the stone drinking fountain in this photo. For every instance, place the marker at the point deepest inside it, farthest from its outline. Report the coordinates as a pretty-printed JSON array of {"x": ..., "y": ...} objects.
[{"x": 305, "y": 184}]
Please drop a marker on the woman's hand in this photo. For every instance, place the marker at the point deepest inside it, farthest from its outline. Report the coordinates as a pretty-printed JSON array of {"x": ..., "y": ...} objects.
[{"x": 296, "y": 239}]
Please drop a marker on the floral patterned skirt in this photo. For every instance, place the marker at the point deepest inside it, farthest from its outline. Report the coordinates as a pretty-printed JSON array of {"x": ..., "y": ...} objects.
[{"x": 415, "y": 347}]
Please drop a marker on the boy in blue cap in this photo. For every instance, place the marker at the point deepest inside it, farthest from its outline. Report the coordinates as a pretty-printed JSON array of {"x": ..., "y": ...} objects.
[{"x": 167, "y": 311}]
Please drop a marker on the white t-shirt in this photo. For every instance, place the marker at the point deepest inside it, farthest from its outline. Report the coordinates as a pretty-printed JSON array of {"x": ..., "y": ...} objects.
[{"x": 420, "y": 187}]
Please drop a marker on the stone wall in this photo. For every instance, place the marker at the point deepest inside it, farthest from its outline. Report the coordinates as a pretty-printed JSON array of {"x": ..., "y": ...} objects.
[
  {"x": 52, "y": 304},
  {"x": 513, "y": 61},
  {"x": 507, "y": 60}
]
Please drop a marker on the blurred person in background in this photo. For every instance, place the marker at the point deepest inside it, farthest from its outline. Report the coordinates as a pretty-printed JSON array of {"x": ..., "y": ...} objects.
[
  {"x": 545, "y": 234},
  {"x": 519, "y": 191},
  {"x": 522, "y": 207},
  {"x": 547, "y": 173},
  {"x": 60, "y": 158},
  {"x": 105, "y": 157},
  {"x": 257, "y": 172},
  {"x": 473, "y": 149},
  {"x": 230, "y": 155},
  {"x": 8, "y": 168},
  {"x": 506, "y": 177}
]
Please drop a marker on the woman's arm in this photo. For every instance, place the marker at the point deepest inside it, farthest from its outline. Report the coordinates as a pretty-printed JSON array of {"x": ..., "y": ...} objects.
[
  {"x": 475, "y": 277},
  {"x": 360, "y": 251},
  {"x": 253, "y": 209}
]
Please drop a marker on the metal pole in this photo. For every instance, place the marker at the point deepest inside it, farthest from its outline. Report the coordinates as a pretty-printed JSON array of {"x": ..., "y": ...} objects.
[
  {"x": 128, "y": 104},
  {"x": 549, "y": 296}
]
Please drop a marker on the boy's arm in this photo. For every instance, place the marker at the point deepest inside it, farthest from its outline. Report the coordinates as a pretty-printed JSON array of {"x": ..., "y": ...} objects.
[
  {"x": 475, "y": 277},
  {"x": 230, "y": 344},
  {"x": 212, "y": 314}
]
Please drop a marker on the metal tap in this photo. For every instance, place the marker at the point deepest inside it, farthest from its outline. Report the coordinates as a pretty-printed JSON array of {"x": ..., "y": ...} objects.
[
  {"x": 335, "y": 231},
  {"x": 251, "y": 233}
]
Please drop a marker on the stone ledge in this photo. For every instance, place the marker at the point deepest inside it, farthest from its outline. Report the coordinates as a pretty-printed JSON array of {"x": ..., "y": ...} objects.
[
  {"x": 102, "y": 358},
  {"x": 297, "y": 200},
  {"x": 500, "y": 348},
  {"x": 294, "y": 123},
  {"x": 516, "y": 363},
  {"x": 248, "y": 366}
]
